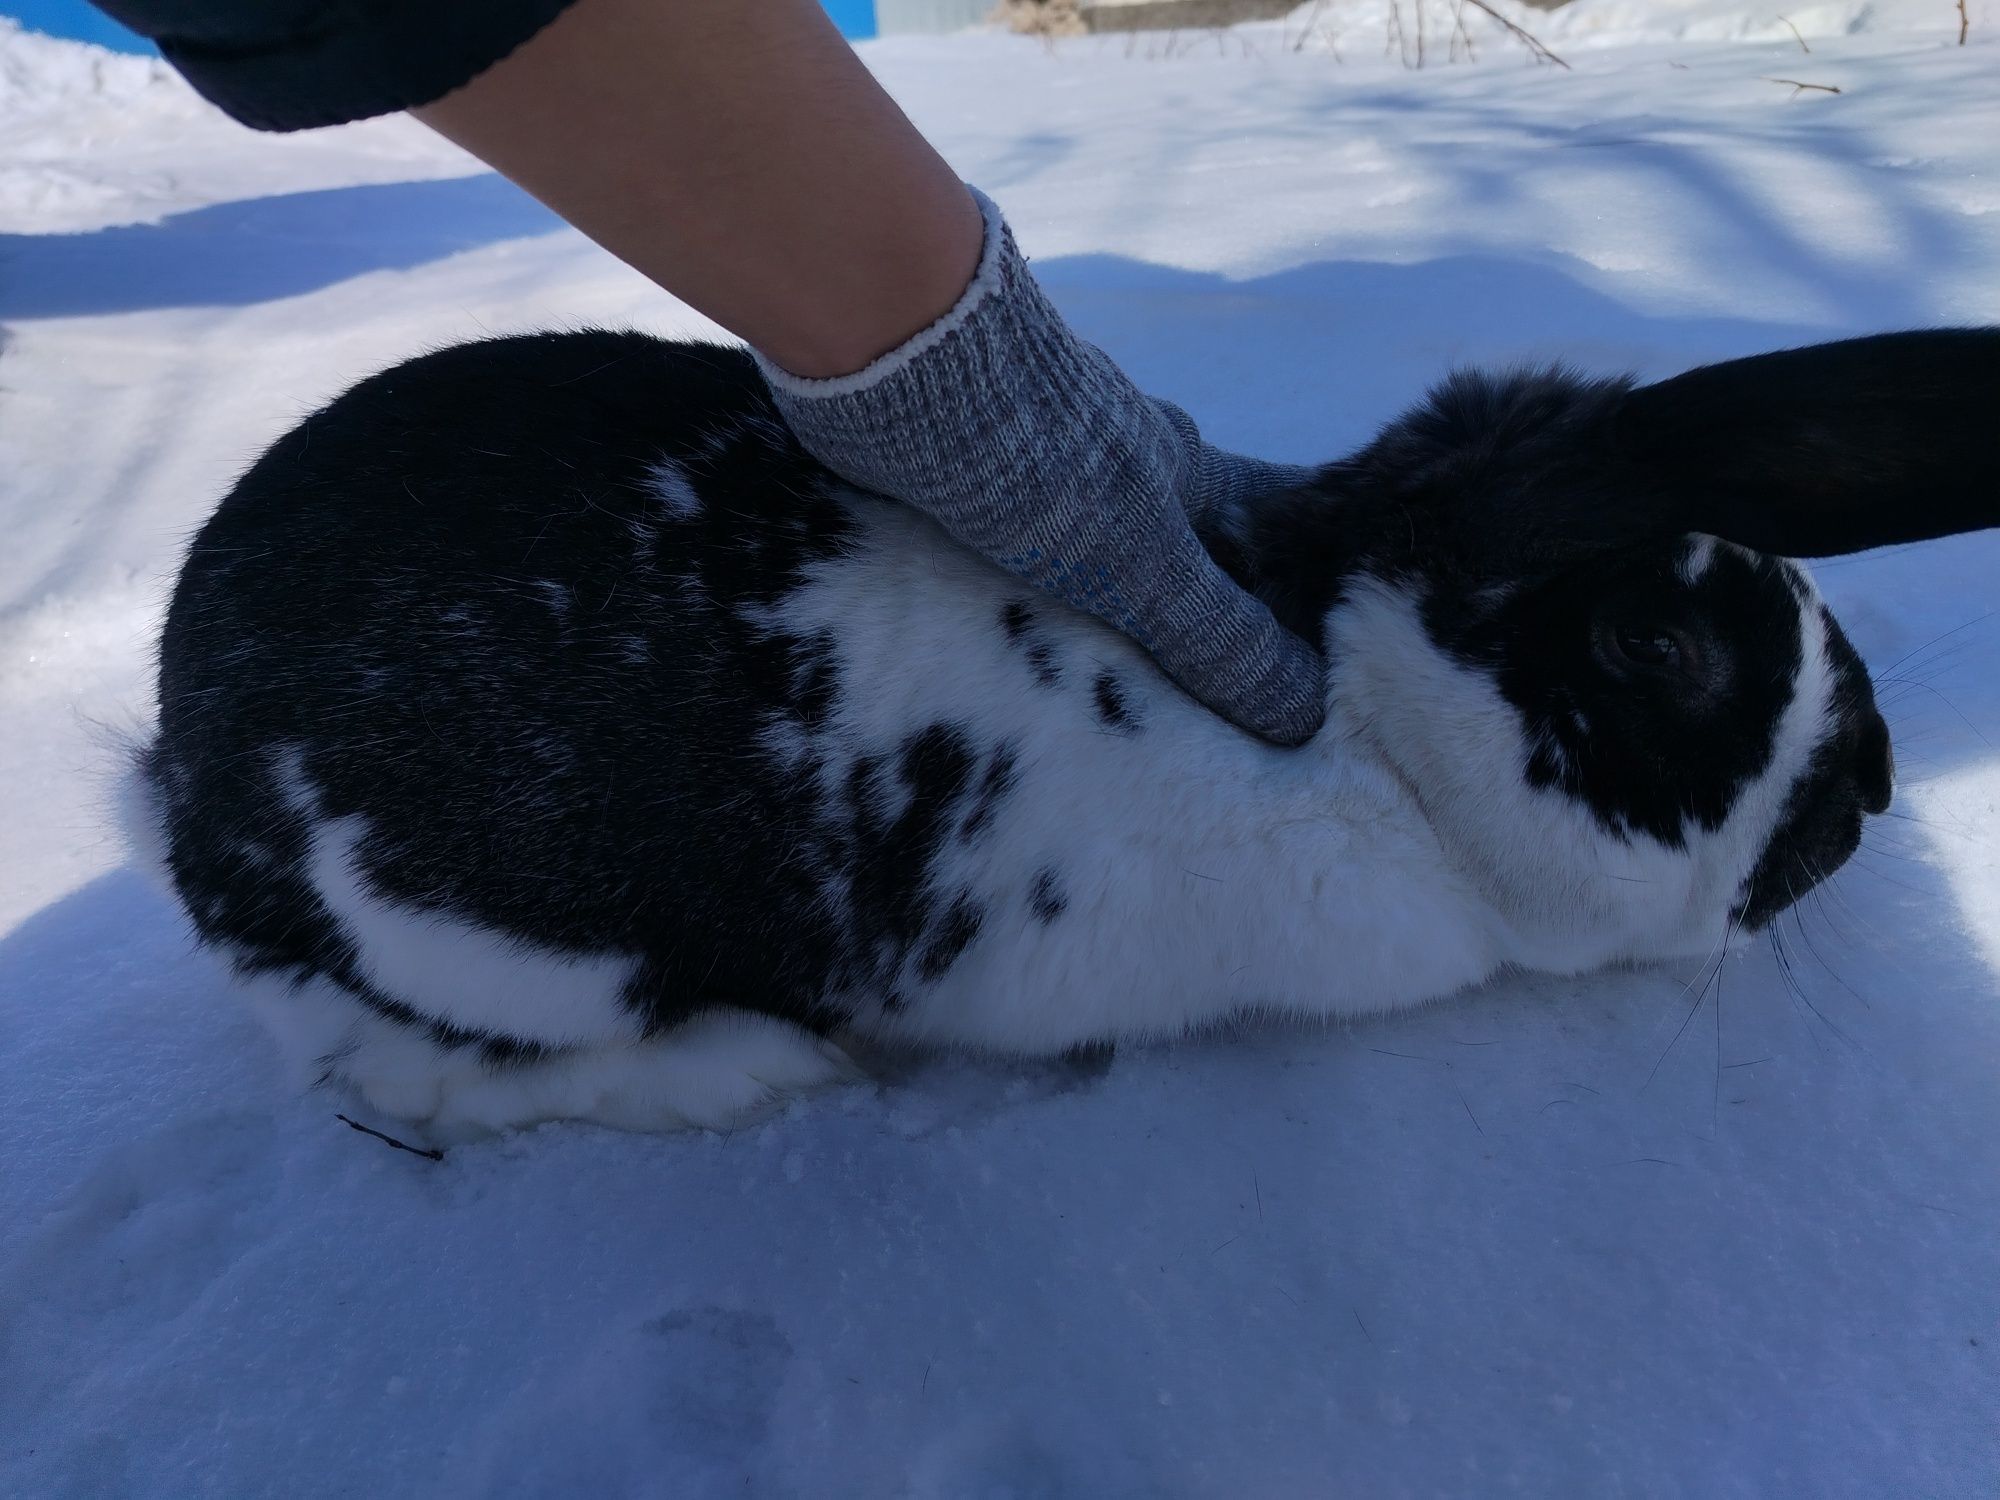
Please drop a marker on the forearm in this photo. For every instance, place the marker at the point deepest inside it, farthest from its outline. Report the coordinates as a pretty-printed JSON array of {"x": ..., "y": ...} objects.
[{"x": 761, "y": 173}]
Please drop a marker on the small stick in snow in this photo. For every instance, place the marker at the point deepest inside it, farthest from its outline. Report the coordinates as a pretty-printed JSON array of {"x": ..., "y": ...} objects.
[
  {"x": 1795, "y": 35},
  {"x": 1469, "y": 1114},
  {"x": 1799, "y": 88},
  {"x": 431, "y": 1155},
  {"x": 1964, "y": 22}
]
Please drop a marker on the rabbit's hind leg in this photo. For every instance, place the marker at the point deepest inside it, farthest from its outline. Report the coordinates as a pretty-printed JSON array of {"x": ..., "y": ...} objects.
[{"x": 719, "y": 1070}]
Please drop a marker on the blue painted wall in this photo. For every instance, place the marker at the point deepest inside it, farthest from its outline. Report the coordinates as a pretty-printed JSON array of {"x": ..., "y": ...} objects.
[
  {"x": 855, "y": 18},
  {"x": 73, "y": 18},
  {"x": 84, "y": 22}
]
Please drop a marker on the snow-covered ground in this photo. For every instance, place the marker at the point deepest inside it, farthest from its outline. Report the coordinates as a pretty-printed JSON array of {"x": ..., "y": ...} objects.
[{"x": 1544, "y": 1241}]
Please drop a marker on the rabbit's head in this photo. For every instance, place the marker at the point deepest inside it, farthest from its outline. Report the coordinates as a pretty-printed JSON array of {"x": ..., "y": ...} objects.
[{"x": 1562, "y": 611}]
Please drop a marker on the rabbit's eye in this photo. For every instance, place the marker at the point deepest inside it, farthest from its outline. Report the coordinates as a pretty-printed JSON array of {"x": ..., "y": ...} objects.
[
  {"x": 1649, "y": 648},
  {"x": 1643, "y": 651}
]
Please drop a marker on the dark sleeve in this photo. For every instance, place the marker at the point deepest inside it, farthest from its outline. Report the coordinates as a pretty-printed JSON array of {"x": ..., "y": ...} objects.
[{"x": 295, "y": 64}]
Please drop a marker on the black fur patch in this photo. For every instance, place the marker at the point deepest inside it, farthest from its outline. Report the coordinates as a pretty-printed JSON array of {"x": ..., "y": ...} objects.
[
  {"x": 1017, "y": 619},
  {"x": 1046, "y": 897},
  {"x": 1653, "y": 754},
  {"x": 1829, "y": 449},
  {"x": 994, "y": 787},
  {"x": 1114, "y": 712},
  {"x": 890, "y": 857},
  {"x": 955, "y": 932}
]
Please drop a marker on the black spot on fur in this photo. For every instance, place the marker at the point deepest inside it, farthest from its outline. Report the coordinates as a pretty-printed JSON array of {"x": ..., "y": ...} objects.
[
  {"x": 1001, "y": 774},
  {"x": 890, "y": 852},
  {"x": 1017, "y": 619},
  {"x": 953, "y": 936},
  {"x": 891, "y": 856},
  {"x": 1046, "y": 897},
  {"x": 1113, "y": 711}
]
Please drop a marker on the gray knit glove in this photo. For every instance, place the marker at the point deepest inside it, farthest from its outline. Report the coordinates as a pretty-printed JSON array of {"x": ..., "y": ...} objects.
[{"x": 1030, "y": 446}]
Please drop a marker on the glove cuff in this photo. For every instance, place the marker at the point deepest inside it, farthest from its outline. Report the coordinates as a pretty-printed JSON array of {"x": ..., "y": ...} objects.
[
  {"x": 997, "y": 242},
  {"x": 993, "y": 415}
]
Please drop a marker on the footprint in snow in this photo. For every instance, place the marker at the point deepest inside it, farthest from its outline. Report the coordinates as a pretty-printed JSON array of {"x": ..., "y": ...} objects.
[
  {"x": 679, "y": 1407},
  {"x": 153, "y": 1226}
]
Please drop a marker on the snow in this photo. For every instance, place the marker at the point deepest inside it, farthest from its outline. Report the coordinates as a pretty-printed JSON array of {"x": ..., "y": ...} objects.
[{"x": 1565, "y": 1237}]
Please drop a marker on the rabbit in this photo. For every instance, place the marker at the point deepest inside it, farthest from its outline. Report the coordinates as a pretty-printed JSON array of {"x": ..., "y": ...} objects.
[{"x": 542, "y": 734}]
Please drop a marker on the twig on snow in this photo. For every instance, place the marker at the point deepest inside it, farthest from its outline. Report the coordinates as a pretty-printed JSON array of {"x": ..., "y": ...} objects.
[
  {"x": 427, "y": 1155},
  {"x": 1799, "y": 39},
  {"x": 1800, "y": 88}
]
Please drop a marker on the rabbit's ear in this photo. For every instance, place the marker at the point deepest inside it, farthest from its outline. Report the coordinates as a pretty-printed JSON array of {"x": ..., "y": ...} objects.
[{"x": 1830, "y": 449}]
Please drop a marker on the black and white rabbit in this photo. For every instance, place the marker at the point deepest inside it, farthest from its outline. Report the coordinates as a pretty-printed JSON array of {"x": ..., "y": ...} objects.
[{"x": 542, "y": 734}]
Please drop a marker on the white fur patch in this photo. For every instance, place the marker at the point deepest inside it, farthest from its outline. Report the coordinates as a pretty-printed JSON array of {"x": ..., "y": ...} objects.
[
  {"x": 452, "y": 971},
  {"x": 1698, "y": 559},
  {"x": 677, "y": 495},
  {"x": 1702, "y": 552},
  {"x": 1806, "y": 721},
  {"x": 723, "y": 1069},
  {"x": 555, "y": 594}
]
